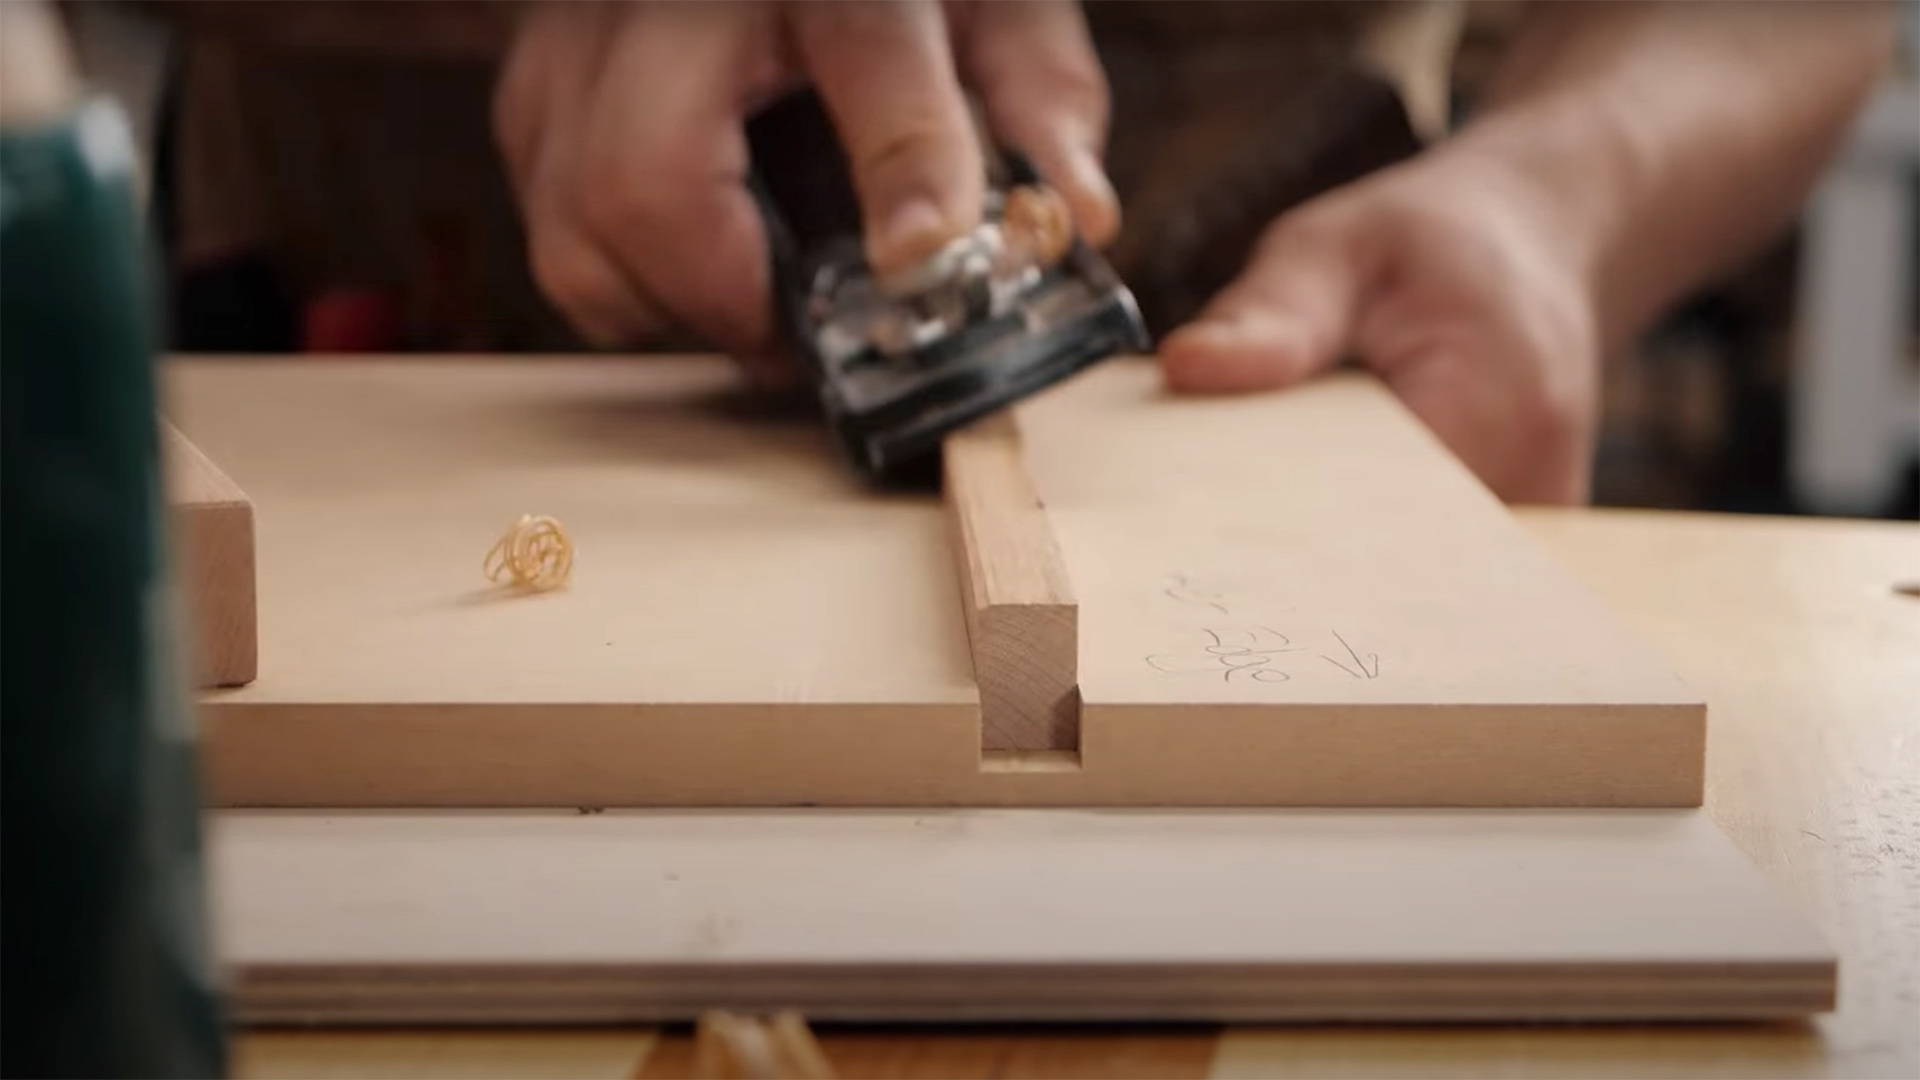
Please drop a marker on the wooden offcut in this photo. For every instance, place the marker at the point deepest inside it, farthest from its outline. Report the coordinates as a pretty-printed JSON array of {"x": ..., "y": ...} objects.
[
  {"x": 1023, "y": 625},
  {"x": 1285, "y": 599},
  {"x": 213, "y": 537}
]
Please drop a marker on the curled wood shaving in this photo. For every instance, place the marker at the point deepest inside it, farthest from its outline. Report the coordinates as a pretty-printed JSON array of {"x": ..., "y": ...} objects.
[{"x": 534, "y": 553}]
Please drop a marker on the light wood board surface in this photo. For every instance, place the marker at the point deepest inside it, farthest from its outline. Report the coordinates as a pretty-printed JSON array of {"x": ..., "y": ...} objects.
[
  {"x": 1291, "y": 599},
  {"x": 213, "y": 531},
  {"x": 1831, "y": 827},
  {"x": 1811, "y": 663},
  {"x": 1023, "y": 624},
  {"x": 1005, "y": 914}
]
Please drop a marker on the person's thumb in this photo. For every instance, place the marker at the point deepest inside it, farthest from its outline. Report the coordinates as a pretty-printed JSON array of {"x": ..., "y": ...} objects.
[{"x": 1289, "y": 315}]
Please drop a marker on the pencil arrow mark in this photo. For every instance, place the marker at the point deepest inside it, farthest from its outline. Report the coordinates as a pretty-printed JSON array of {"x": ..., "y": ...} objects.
[{"x": 1368, "y": 668}]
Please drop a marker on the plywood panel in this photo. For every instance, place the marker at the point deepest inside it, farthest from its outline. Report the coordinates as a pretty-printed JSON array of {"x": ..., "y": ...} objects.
[
  {"x": 1291, "y": 599},
  {"x": 962, "y": 914}
]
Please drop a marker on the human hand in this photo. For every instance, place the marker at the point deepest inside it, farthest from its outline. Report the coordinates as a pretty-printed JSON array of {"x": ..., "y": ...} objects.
[
  {"x": 621, "y": 125},
  {"x": 1461, "y": 280}
]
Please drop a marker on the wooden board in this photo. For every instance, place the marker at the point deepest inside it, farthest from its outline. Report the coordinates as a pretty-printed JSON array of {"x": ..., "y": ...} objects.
[
  {"x": 1020, "y": 914},
  {"x": 1023, "y": 624},
  {"x": 213, "y": 532},
  {"x": 1285, "y": 599}
]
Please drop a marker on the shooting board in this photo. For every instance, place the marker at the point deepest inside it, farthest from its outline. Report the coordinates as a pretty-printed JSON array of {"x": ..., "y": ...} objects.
[{"x": 1288, "y": 599}]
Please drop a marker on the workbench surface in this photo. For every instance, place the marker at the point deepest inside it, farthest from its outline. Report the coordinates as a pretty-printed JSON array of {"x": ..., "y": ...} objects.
[{"x": 1810, "y": 659}]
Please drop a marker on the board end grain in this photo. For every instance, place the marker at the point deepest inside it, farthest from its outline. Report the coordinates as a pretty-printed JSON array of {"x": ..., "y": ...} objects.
[{"x": 213, "y": 530}]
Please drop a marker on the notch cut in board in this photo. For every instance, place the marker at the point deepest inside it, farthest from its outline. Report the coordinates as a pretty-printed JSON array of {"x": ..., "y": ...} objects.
[
  {"x": 213, "y": 530},
  {"x": 1023, "y": 623}
]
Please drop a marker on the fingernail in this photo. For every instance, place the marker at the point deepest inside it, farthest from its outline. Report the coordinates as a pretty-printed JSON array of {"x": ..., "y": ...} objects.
[{"x": 913, "y": 230}]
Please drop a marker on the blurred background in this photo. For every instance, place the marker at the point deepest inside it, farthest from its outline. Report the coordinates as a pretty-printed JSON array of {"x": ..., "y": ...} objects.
[{"x": 322, "y": 187}]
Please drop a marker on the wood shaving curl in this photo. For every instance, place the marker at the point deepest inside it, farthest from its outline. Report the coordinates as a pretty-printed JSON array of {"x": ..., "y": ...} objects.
[{"x": 534, "y": 553}]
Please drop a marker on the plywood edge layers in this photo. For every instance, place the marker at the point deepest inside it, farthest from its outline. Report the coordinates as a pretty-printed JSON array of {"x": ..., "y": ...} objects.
[
  {"x": 1023, "y": 622},
  {"x": 390, "y": 992}
]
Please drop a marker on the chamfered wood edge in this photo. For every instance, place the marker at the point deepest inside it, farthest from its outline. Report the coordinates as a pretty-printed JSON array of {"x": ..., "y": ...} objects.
[
  {"x": 192, "y": 478},
  {"x": 1021, "y": 615}
]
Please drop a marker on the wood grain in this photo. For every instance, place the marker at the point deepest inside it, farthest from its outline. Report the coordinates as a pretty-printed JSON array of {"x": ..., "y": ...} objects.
[
  {"x": 1023, "y": 624},
  {"x": 1812, "y": 663},
  {"x": 748, "y": 625},
  {"x": 1812, "y": 666},
  {"x": 213, "y": 528}
]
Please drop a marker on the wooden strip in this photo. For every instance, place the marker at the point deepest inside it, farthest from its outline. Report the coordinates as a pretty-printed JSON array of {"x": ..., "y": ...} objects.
[
  {"x": 1022, "y": 620},
  {"x": 213, "y": 528}
]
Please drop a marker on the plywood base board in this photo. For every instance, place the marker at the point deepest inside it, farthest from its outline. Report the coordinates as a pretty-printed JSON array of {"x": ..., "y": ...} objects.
[
  {"x": 1026, "y": 915},
  {"x": 1292, "y": 599}
]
